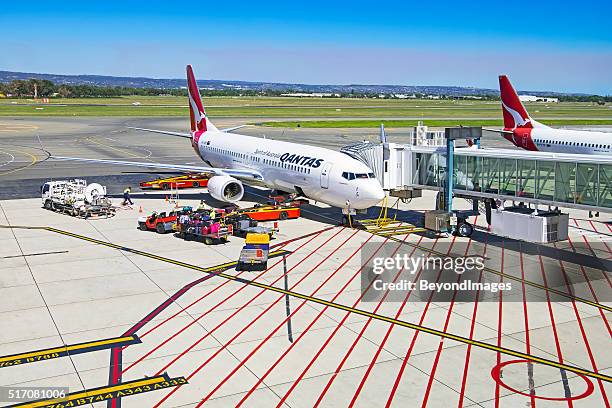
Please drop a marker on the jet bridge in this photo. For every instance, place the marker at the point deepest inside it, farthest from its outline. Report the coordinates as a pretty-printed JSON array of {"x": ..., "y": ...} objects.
[
  {"x": 547, "y": 179},
  {"x": 553, "y": 179}
]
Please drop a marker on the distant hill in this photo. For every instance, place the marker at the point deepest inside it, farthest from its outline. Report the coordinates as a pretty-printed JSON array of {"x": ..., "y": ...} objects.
[{"x": 171, "y": 83}]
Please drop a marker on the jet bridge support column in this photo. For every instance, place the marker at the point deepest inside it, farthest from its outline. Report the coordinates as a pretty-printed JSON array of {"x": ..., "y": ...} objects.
[{"x": 448, "y": 188}]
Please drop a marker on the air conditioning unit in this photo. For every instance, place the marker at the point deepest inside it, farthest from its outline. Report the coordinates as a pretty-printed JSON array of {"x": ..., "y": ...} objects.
[{"x": 525, "y": 224}]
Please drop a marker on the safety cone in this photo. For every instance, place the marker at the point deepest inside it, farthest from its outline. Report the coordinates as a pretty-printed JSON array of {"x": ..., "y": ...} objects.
[
  {"x": 166, "y": 197},
  {"x": 140, "y": 208}
]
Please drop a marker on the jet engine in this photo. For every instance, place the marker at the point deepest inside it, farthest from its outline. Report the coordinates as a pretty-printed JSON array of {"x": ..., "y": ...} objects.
[{"x": 225, "y": 188}]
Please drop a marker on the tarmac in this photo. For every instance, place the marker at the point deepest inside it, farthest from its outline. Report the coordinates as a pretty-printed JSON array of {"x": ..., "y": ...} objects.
[
  {"x": 139, "y": 319},
  {"x": 24, "y": 164}
]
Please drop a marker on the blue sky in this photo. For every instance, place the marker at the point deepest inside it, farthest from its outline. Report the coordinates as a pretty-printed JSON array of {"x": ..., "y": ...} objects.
[{"x": 543, "y": 45}]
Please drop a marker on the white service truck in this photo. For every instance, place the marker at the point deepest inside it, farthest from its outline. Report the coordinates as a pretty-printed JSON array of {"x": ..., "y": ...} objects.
[{"x": 77, "y": 198}]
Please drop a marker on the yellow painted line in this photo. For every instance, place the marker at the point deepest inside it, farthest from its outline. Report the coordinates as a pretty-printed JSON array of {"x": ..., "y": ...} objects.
[
  {"x": 33, "y": 159},
  {"x": 108, "y": 392},
  {"x": 387, "y": 319},
  {"x": 440, "y": 333},
  {"x": 157, "y": 257},
  {"x": 514, "y": 278},
  {"x": 94, "y": 140},
  {"x": 14, "y": 127},
  {"x": 68, "y": 348}
]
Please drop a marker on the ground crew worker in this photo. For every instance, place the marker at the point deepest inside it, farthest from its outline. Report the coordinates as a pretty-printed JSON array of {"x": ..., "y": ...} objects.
[
  {"x": 202, "y": 205},
  {"x": 126, "y": 196}
]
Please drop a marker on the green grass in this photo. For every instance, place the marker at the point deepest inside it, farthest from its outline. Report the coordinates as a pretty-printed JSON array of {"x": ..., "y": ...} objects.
[
  {"x": 345, "y": 112},
  {"x": 411, "y": 123}
]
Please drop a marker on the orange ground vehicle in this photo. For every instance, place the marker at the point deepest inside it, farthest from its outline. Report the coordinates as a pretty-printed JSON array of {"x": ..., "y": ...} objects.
[
  {"x": 272, "y": 212},
  {"x": 186, "y": 181}
]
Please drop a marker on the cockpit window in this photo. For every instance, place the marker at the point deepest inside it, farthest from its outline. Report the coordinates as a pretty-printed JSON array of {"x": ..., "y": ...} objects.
[{"x": 352, "y": 176}]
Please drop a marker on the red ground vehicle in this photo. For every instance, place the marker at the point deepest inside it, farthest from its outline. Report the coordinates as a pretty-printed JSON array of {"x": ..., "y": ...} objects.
[
  {"x": 186, "y": 181},
  {"x": 272, "y": 212},
  {"x": 159, "y": 222}
]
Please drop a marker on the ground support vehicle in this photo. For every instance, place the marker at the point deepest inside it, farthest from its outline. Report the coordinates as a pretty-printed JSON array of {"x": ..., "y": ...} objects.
[
  {"x": 186, "y": 181},
  {"x": 272, "y": 212},
  {"x": 77, "y": 198},
  {"x": 201, "y": 228},
  {"x": 242, "y": 225},
  {"x": 254, "y": 254},
  {"x": 161, "y": 222}
]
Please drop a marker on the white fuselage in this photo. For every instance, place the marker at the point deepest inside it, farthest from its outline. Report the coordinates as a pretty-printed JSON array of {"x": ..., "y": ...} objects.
[
  {"x": 321, "y": 174},
  {"x": 572, "y": 141}
]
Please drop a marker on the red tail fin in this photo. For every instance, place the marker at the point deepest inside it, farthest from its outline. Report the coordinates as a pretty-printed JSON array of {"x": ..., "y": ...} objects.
[
  {"x": 515, "y": 114},
  {"x": 196, "y": 110}
]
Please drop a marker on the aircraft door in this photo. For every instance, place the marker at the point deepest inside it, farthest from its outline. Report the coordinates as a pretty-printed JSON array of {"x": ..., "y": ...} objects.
[{"x": 325, "y": 170}]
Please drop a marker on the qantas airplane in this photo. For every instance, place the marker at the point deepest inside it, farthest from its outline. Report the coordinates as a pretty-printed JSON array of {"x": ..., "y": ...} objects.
[
  {"x": 320, "y": 174},
  {"x": 529, "y": 134}
]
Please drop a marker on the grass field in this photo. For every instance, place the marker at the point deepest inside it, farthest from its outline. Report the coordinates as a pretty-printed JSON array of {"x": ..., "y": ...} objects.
[
  {"x": 317, "y": 112},
  {"x": 411, "y": 123}
]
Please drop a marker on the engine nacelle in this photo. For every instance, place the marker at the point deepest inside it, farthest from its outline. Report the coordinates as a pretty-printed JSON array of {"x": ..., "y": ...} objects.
[{"x": 225, "y": 188}]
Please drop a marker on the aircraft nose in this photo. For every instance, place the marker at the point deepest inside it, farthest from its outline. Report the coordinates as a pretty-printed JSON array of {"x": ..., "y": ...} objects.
[{"x": 374, "y": 193}]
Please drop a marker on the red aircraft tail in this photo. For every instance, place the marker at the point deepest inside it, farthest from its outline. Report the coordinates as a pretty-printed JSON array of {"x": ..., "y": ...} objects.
[
  {"x": 515, "y": 114},
  {"x": 196, "y": 110}
]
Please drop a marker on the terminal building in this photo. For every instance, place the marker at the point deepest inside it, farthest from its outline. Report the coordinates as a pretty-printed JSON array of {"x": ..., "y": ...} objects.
[{"x": 533, "y": 98}]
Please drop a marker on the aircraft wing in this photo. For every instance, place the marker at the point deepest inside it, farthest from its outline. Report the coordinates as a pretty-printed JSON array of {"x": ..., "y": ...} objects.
[
  {"x": 164, "y": 132},
  {"x": 237, "y": 173},
  {"x": 180, "y": 134},
  {"x": 230, "y": 129},
  {"x": 499, "y": 131}
]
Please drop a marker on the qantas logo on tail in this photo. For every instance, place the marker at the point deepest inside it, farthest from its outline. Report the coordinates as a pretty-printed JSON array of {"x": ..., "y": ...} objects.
[
  {"x": 517, "y": 119},
  {"x": 515, "y": 114},
  {"x": 196, "y": 110}
]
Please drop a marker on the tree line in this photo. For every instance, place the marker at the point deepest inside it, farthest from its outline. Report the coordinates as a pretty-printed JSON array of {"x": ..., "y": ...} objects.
[
  {"x": 47, "y": 89},
  {"x": 19, "y": 88}
]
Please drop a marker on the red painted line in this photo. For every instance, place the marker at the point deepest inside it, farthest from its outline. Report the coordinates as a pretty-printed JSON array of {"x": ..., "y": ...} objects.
[
  {"x": 243, "y": 306},
  {"x": 350, "y": 350},
  {"x": 191, "y": 323},
  {"x": 526, "y": 319},
  {"x": 472, "y": 326},
  {"x": 201, "y": 298},
  {"x": 588, "y": 281},
  {"x": 597, "y": 232},
  {"x": 318, "y": 232},
  {"x": 281, "y": 324},
  {"x": 255, "y": 319},
  {"x": 400, "y": 373},
  {"x": 305, "y": 331},
  {"x": 584, "y": 336},
  {"x": 552, "y": 320},
  {"x": 276, "y": 246},
  {"x": 347, "y": 355},
  {"x": 499, "y": 325},
  {"x": 432, "y": 373},
  {"x": 586, "y": 241}
]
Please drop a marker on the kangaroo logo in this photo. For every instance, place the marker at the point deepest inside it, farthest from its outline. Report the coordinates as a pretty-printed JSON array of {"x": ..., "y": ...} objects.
[{"x": 519, "y": 121}]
